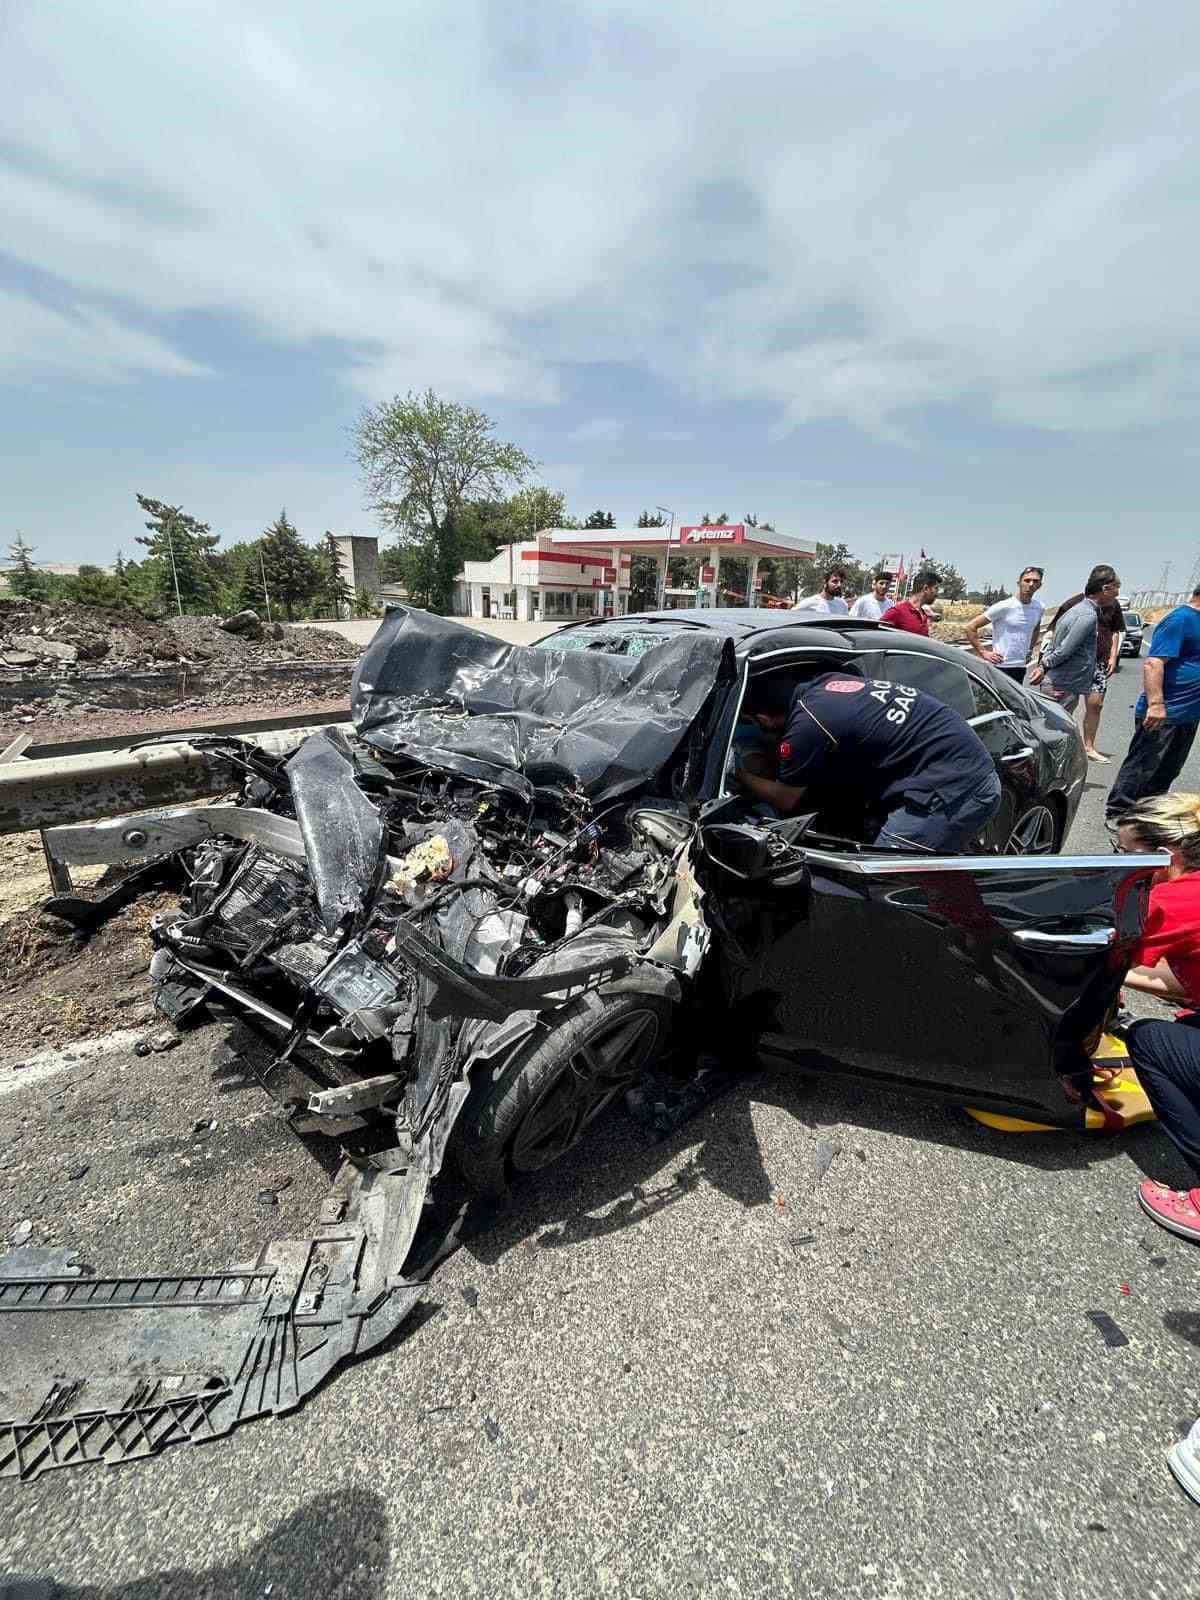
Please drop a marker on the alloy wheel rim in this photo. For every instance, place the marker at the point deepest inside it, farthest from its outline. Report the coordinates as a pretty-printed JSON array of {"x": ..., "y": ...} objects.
[
  {"x": 1033, "y": 833},
  {"x": 592, "y": 1075}
]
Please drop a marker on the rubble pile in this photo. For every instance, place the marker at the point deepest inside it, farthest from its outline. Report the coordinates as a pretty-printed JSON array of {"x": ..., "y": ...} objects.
[{"x": 66, "y": 639}]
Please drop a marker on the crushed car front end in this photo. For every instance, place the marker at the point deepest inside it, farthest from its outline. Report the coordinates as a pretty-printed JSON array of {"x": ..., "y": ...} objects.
[{"x": 472, "y": 920}]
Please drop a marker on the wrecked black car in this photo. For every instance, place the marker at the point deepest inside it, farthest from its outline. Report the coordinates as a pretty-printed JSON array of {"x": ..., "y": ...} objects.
[{"x": 475, "y": 919}]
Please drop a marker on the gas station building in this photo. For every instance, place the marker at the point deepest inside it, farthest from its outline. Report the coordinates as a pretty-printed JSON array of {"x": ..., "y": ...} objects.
[{"x": 584, "y": 572}]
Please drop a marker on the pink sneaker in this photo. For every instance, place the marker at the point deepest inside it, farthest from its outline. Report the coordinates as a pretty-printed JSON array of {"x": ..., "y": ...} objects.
[{"x": 1177, "y": 1210}]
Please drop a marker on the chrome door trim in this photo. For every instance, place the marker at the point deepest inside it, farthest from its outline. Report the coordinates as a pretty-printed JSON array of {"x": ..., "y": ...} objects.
[{"x": 914, "y": 866}]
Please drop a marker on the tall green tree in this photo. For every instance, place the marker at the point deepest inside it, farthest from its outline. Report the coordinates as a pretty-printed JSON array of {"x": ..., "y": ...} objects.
[
  {"x": 648, "y": 521},
  {"x": 95, "y": 587},
  {"x": 422, "y": 458},
  {"x": 333, "y": 592},
  {"x": 599, "y": 519},
  {"x": 530, "y": 510},
  {"x": 290, "y": 570},
  {"x": 181, "y": 548},
  {"x": 24, "y": 579}
]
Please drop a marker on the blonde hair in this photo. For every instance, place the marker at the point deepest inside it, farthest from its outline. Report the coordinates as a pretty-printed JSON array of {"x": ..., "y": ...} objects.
[{"x": 1167, "y": 822}]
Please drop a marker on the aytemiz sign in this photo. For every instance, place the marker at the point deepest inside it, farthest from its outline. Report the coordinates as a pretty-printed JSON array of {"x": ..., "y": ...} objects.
[{"x": 731, "y": 533}]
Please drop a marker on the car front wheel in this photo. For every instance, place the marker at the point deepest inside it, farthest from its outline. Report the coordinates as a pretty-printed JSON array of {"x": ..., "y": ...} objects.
[{"x": 541, "y": 1103}]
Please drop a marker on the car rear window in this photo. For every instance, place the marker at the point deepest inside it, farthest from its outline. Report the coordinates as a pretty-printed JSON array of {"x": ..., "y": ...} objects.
[{"x": 942, "y": 679}]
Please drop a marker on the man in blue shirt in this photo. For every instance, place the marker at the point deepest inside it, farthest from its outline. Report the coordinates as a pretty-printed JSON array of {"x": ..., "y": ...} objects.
[
  {"x": 903, "y": 751},
  {"x": 1166, "y": 715}
]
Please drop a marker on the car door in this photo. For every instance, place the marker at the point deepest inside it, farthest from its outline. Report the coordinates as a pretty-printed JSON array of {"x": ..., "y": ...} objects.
[
  {"x": 979, "y": 979},
  {"x": 1025, "y": 822}
]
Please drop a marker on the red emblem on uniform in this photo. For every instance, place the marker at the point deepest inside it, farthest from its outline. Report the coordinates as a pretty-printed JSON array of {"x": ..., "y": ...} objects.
[
  {"x": 844, "y": 685},
  {"x": 785, "y": 750}
]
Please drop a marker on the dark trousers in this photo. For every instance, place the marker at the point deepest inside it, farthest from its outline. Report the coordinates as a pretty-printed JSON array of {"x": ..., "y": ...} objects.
[
  {"x": 1167, "y": 1058},
  {"x": 1017, "y": 674},
  {"x": 1151, "y": 765}
]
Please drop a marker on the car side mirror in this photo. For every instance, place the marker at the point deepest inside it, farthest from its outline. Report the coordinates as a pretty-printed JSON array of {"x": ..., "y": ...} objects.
[{"x": 745, "y": 851}]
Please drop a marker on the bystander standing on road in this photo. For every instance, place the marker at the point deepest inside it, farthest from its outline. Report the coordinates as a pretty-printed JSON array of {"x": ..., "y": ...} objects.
[
  {"x": 870, "y": 607},
  {"x": 1110, "y": 626},
  {"x": 910, "y": 614},
  {"x": 1068, "y": 662},
  {"x": 828, "y": 597},
  {"x": 1167, "y": 711},
  {"x": 1016, "y": 625}
]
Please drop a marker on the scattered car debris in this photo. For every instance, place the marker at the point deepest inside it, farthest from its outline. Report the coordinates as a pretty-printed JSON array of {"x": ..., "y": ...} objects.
[
  {"x": 827, "y": 1152},
  {"x": 470, "y": 1295},
  {"x": 81, "y": 1171},
  {"x": 1112, "y": 1335},
  {"x": 492, "y": 1428}
]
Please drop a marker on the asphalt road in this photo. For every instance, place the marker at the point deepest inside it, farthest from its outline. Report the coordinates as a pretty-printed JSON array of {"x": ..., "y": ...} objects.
[{"x": 690, "y": 1367}]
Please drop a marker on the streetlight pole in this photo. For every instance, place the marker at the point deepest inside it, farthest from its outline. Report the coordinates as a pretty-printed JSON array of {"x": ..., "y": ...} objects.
[{"x": 662, "y": 589}]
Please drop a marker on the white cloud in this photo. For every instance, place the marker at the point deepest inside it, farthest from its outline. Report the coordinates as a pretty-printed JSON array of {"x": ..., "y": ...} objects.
[
  {"x": 78, "y": 343},
  {"x": 599, "y": 430},
  {"x": 991, "y": 207}
]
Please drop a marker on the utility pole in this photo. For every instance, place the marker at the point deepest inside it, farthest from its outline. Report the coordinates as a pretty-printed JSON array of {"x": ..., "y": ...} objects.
[
  {"x": 662, "y": 588},
  {"x": 1166, "y": 573},
  {"x": 171, "y": 551},
  {"x": 262, "y": 567}
]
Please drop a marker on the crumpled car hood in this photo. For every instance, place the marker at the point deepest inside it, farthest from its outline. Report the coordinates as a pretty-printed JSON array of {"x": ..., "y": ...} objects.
[{"x": 441, "y": 693}]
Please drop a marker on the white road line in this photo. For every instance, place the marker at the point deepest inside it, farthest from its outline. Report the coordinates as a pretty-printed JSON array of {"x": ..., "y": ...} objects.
[{"x": 45, "y": 1064}]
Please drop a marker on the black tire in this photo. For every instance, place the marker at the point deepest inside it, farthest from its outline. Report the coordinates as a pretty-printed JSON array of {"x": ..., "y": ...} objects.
[{"x": 539, "y": 1106}]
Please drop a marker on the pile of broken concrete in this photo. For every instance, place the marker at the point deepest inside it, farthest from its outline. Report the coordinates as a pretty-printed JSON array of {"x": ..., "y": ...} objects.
[{"x": 63, "y": 638}]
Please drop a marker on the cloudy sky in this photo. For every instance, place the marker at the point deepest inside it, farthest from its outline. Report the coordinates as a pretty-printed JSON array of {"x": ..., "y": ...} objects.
[{"x": 893, "y": 274}]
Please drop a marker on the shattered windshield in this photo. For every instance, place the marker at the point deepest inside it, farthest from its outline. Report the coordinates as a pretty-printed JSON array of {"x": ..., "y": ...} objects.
[{"x": 615, "y": 639}]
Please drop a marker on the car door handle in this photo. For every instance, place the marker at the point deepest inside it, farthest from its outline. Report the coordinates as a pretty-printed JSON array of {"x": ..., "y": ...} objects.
[
  {"x": 1023, "y": 754},
  {"x": 1043, "y": 939}
]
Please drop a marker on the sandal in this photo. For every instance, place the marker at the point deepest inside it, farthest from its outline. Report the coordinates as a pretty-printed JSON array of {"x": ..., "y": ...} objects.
[{"x": 1177, "y": 1210}]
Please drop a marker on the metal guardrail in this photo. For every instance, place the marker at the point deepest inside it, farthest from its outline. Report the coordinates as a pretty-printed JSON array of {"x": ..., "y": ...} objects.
[{"x": 84, "y": 788}]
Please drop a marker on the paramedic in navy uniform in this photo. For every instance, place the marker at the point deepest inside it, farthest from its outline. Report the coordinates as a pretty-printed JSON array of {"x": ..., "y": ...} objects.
[{"x": 900, "y": 748}]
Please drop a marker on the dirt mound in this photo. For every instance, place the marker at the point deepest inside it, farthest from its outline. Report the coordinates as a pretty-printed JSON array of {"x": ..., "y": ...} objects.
[
  {"x": 64, "y": 639},
  {"x": 56, "y": 989}
]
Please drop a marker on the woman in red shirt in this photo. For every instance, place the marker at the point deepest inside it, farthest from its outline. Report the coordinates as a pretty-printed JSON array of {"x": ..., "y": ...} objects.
[{"x": 1166, "y": 1055}]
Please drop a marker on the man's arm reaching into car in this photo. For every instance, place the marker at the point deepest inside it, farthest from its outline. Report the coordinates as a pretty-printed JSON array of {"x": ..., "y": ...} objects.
[{"x": 785, "y": 797}]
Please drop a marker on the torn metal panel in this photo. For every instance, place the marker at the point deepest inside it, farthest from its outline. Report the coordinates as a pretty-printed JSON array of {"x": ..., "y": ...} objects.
[
  {"x": 108, "y": 1370},
  {"x": 341, "y": 829},
  {"x": 437, "y": 691}
]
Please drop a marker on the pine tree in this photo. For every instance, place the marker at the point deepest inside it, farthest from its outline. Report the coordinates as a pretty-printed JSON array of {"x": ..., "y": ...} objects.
[
  {"x": 181, "y": 548},
  {"x": 648, "y": 521},
  {"x": 600, "y": 519},
  {"x": 291, "y": 572},
  {"x": 334, "y": 593},
  {"x": 25, "y": 579}
]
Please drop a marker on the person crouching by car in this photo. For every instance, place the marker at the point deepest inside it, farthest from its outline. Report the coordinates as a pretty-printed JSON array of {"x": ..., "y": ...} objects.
[
  {"x": 906, "y": 753},
  {"x": 1166, "y": 1055}
]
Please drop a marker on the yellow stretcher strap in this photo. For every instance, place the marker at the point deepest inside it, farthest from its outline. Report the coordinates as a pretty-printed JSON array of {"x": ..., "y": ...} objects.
[{"x": 1115, "y": 1082}]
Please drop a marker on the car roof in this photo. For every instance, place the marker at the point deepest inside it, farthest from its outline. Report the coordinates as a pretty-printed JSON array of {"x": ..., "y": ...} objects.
[{"x": 756, "y": 631}]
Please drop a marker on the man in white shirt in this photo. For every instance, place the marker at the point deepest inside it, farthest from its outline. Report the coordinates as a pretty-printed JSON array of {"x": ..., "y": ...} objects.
[
  {"x": 828, "y": 598},
  {"x": 1016, "y": 626},
  {"x": 871, "y": 606}
]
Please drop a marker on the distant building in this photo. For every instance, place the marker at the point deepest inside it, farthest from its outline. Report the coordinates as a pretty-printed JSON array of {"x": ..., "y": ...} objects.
[
  {"x": 585, "y": 572},
  {"x": 358, "y": 559}
]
